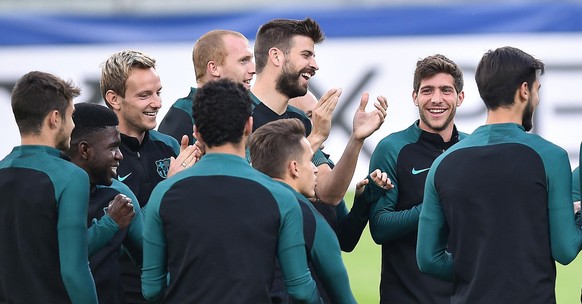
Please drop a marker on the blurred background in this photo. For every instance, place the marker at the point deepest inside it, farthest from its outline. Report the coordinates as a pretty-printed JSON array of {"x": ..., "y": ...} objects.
[{"x": 371, "y": 46}]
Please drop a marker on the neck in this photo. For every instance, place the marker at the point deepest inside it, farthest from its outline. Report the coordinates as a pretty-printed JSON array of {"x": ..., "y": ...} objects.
[
  {"x": 229, "y": 148},
  {"x": 446, "y": 134},
  {"x": 37, "y": 139},
  {"x": 125, "y": 130},
  {"x": 504, "y": 115},
  {"x": 264, "y": 89}
]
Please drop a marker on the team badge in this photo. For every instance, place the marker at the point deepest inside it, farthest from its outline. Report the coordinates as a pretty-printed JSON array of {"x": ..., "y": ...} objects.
[{"x": 162, "y": 166}]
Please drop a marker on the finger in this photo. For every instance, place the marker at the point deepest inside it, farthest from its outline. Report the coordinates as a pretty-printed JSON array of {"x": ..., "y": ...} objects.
[
  {"x": 383, "y": 101},
  {"x": 364, "y": 101},
  {"x": 362, "y": 183},
  {"x": 184, "y": 142},
  {"x": 380, "y": 108},
  {"x": 326, "y": 96}
]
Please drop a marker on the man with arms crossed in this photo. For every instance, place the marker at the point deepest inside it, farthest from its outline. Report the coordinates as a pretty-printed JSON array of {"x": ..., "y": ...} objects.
[
  {"x": 497, "y": 206},
  {"x": 43, "y": 257},
  {"x": 114, "y": 216},
  {"x": 221, "y": 247},
  {"x": 406, "y": 157}
]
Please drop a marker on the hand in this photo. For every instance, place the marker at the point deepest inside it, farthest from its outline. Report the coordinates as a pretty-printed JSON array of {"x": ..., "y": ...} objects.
[
  {"x": 121, "y": 210},
  {"x": 188, "y": 156},
  {"x": 322, "y": 114},
  {"x": 201, "y": 148},
  {"x": 576, "y": 206},
  {"x": 366, "y": 123},
  {"x": 379, "y": 178}
]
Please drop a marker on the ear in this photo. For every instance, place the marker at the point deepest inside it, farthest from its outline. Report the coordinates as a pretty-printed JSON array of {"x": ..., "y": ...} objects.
[
  {"x": 213, "y": 69},
  {"x": 53, "y": 119},
  {"x": 414, "y": 95},
  {"x": 293, "y": 169},
  {"x": 84, "y": 150},
  {"x": 276, "y": 56},
  {"x": 460, "y": 98},
  {"x": 524, "y": 92},
  {"x": 248, "y": 127},
  {"x": 198, "y": 136},
  {"x": 113, "y": 99}
]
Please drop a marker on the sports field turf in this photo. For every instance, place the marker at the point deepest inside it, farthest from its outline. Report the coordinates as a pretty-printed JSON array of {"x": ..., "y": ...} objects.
[{"x": 363, "y": 266}]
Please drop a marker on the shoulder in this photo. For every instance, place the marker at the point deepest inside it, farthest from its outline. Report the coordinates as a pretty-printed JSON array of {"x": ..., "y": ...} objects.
[
  {"x": 395, "y": 141},
  {"x": 185, "y": 103},
  {"x": 164, "y": 138}
]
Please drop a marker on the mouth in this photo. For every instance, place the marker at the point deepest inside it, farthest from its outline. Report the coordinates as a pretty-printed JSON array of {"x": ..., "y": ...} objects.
[
  {"x": 308, "y": 74},
  {"x": 437, "y": 111},
  {"x": 114, "y": 169},
  {"x": 150, "y": 113}
]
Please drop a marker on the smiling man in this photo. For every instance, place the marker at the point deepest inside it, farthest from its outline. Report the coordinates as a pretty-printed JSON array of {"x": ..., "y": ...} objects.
[
  {"x": 407, "y": 156},
  {"x": 217, "y": 54},
  {"x": 131, "y": 86}
]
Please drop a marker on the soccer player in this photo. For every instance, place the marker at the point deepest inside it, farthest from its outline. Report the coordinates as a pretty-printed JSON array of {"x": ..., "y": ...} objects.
[
  {"x": 217, "y": 54},
  {"x": 497, "y": 209},
  {"x": 114, "y": 216},
  {"x": 131, "y": 86},
  {"x": 43, "y": 256},
  {"x": 280, "y": 150},
  {"x": 221, "y": 247},
  {"x": 406, "y": 156},
  {"x": 285, "y": 61}
]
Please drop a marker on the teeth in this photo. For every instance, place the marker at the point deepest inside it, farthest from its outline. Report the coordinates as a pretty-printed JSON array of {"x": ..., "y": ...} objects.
[
  {"x": 150, "y": 113},
  {"x": 306, "y": 75},
  {"x": 436, "y": 111}
]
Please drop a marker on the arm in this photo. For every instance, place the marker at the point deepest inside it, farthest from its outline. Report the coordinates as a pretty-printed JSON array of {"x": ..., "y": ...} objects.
[
  {"x": 333, "y": 184},
  {"x": 386, "y": 223},
  {"x": 291, "y": 253},
  {"x": 565, "y": 236},
  {"x": 120, "y": 212},
  {"x": 134, "y": 239},
  {"x": 154, "y": 270},
  {"x": 576, "y": 185},
  {"x": 72, "y": 238},
  {"x": 328, "y": 264},
  {"x": 431, "y": 254},
  {"x": 352, "y": 224}
]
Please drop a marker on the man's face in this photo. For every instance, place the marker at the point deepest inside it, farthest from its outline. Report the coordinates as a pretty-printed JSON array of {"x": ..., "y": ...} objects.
[
  {"x": 238, "y": 64},
  {"x": 307, "y": 171},
  {"x": 298, "y": 67},
  {"x": 67, "y": 125},
  {"x": 104, "y": 156},
  {"x": 142, "y": 102},
  {"x": 437, "y": 101},
  {"x": 532, "y": 104}
]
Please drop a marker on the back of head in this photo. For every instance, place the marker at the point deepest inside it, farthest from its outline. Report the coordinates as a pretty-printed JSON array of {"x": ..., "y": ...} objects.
[
  {"x": 502, "y": 71},
  {"x": 116, "y": 70},
  {"x": 436, "y": 64},
  {"x": 35, "y": 95},
  {"x": 221, "y": 111},
  {"x": 274, "y": 144},
  {"x": 279, "y": 33},
  {"x": 90, "y": 118},
  {"x": 210, "y": 47}
]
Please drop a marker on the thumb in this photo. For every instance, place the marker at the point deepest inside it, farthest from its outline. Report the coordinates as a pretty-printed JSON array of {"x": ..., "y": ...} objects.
[{"x": 364, "y": 101}]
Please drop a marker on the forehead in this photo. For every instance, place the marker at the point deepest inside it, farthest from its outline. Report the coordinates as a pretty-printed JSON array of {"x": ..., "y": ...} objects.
[
  {"x": 438, "y": 80},
  {"x": 234, "y": 43},
  {"x": 106, "y": 136},
  {"x": 139, "y": 77},
  {"x": 300, "y": 43}
]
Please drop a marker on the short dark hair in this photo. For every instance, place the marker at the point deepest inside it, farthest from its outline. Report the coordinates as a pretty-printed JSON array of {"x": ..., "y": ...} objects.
[
  {"x": 35, "y": 95},
  {"x": 279, "y": 33},
  {"x": 90, "y": 118},
  {"x": 435, "y": 64},
  {"x": 273, "y": 144},
  {"x": 221, "y": 111},
  {"x": 501, "y": 72}
]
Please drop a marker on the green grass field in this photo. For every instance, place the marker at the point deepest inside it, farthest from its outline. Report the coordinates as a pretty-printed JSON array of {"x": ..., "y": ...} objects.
[{"x": 363, "y": 265}]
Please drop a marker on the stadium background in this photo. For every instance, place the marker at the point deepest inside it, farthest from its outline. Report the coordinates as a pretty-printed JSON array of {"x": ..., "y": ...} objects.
[{"x": 372, "y": 46}]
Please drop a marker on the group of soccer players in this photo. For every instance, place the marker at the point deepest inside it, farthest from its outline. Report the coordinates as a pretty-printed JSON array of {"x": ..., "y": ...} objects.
[{"x": 232, "y": 200}]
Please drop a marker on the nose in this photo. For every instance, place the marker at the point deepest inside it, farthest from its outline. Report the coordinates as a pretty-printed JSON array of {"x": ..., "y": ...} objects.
[
  {"x": 118, "y": 155},
  {"x": 156, "y": 102},
  {"x": 436, "y": 97},
  {"x": 315, "y": 170},
  {"x": 252, "y": 69},
  {"x": 313, "y": 64}
]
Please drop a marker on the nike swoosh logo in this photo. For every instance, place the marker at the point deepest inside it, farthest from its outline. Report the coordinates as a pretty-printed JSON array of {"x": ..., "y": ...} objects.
[
  {"x": 122, "y": 178},
  {"x": 415, "y": 172}
]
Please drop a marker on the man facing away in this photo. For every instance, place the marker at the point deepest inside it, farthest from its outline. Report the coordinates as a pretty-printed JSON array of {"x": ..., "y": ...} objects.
[
  {"x": 406, "y": 156},
  {"x": 114, "y": 217},
  {"x": 221, "y": 247},
  {"x": 43, "y": 257},
  {"x": 217, "y": 54},
  {"x": 280, "y": 150},
  {"x": 497, "y": 206}
]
